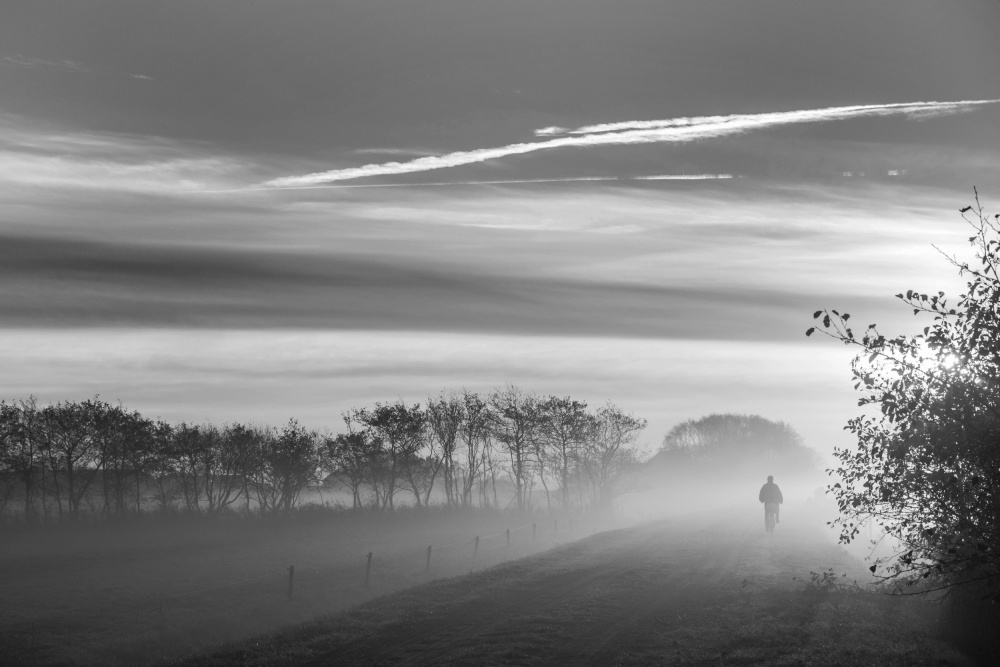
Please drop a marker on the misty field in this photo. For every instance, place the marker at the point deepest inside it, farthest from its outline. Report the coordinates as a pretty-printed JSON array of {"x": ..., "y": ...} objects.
[
  {"x": 703, "y": 589},
  {"x": 135, "y": 594}
]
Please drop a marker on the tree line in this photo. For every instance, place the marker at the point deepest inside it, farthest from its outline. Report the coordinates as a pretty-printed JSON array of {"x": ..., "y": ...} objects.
[
  {"x": 507, "y": 449},
  {"x": 734, "y": 444}
]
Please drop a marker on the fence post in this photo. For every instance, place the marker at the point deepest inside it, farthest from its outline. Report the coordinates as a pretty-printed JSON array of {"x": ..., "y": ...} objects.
[
  {"x": 368, "y": 568},
  {"x": 475, "y": 549},
  {"x": 163, "y": 641},
  {"x": 508, "y": 538},
  {"x": 534, "y": 532},
  {"x": 428, "y": 566},
  {"x": 291, "y": 581}
]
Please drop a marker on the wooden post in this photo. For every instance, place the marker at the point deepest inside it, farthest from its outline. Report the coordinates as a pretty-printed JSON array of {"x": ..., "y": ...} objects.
[
  {"x": 508, "y": 538},
  {"x": 163, "y": 641},
  {"x": 428, "y": 566},
  {"x": 475, "y": 549},
  {"x": 368, "y": 568},
  {"x": 291, "y": 581},
  {"x": 534, "y": 532}
]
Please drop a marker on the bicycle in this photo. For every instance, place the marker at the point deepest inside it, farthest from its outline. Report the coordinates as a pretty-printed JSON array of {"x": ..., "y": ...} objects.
[{"x": 770, "y": 512}]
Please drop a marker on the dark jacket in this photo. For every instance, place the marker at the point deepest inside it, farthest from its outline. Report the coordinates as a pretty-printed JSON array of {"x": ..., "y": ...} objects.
[{"x": 770, "y": 493}]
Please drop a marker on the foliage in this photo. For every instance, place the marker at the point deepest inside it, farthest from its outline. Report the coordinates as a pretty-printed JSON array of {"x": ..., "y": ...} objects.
[
  {"x": 926, "y": 467},
  {"x": 736, "y": 443}
]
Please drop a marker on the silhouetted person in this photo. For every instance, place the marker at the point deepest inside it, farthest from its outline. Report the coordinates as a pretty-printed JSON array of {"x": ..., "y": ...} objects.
[{"x": 770, "y": 495}]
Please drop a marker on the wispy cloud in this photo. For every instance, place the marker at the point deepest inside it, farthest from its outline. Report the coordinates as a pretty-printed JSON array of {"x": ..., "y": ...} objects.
[
  {"x": 66, "y": 282},
  {"x": 506, "y": 181},
  {"x": 686, "y": 177},
  {"x": 675, "y": 130},
  {"x": 416, "y": 152},
  {"x": 28, "y": 62},
  {"x": 36, "y": 157},
  {"x": 63, "y": 65},
  {"x": 754, "y": 121},
  {"x": 551, "y": 131}
]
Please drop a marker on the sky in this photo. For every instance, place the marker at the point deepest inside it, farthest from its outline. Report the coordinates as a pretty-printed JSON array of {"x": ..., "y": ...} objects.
[{"x": 244, "y": 210}]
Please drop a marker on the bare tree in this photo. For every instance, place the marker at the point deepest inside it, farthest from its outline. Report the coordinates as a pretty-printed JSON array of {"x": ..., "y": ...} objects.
[
  {"x": 399, "y": 429},
  {"x": 225, "y": 464},
  {"x": 515, "y": 427},
  {"x": 350, "y": 455},
  {"x": 118, "y": 434},
  {"x": 290, "y": 463},
  {"x": 21, "y": 453},
  {"x": 69, "y": 448},
  {"x": 186, "y": 454},
  {"x": 566, "y": 427},
  {"x": 475, "y": 433},
  {"x": 445, "y": 418},
  {"x": 608, "y": 458},
  {"x": 161, "y": 467}
]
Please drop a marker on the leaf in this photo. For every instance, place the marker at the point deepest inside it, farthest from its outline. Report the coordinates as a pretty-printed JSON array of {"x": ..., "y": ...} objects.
[
  {"x": 817, "y": 314},
  {"x": 966, "y": 209},
  {"x": 826, "y": 320},
  {"x": 810, "y": 330},
  {"x": 873, "y": 568},
  {"x": 846, "y": 316}
]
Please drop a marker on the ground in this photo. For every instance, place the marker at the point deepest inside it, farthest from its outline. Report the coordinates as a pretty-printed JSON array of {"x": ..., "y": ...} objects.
[{"x": 704, "y": 589}]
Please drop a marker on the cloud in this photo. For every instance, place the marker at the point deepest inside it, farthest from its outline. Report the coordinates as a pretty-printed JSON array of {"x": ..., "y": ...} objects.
[
  {"x": 417, "y": 152},
  {"x": 39, "y": 158},
  {"x": 221, "y": 375},
  {"x": 27, "y": 62},
  {"x": 753, "y": 121},
  {"x": 677, "y": 130},
  {"x": 46, "y": 282},
  {"x": 506, "y": 181},
  {"x": 686, "y": 177},
  {"x": 551, "y": 131}
]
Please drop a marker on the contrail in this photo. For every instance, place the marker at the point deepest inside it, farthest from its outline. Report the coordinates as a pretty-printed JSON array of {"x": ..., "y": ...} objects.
[
  {"x": 685, "y": 177},
  {"x": 675, "y": 130},
  {"x": 911, "y": 109},
  {"x": 507, "y": 181}
]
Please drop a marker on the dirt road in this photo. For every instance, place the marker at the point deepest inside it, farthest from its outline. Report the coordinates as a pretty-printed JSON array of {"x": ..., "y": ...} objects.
[{"x": 703, "y": 589}]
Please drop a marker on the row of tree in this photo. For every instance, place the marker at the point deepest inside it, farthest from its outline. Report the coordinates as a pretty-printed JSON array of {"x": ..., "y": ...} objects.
[{"x": 504, "y": 449}]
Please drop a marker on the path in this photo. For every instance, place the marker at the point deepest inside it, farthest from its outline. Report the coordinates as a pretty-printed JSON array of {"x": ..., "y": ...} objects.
[{"x": 709, "y": 589}]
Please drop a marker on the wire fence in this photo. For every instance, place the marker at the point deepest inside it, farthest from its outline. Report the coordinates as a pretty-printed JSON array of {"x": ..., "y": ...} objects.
[{"x": 149, "y": 629}]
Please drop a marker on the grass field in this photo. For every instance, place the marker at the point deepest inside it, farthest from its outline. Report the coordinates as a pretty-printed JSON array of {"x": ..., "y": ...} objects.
[
  {"x": 128, "y": 595},
  {"x": 708, "y": 589}
]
